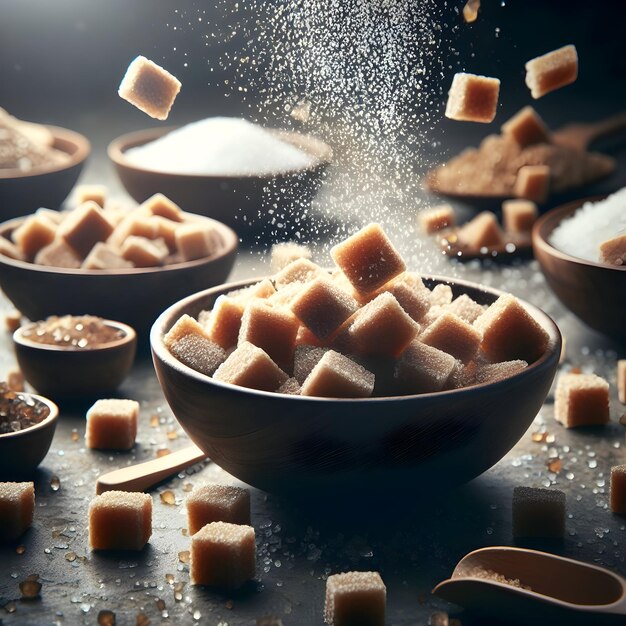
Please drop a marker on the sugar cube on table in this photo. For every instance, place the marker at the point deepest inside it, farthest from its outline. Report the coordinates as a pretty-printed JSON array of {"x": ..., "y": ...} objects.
[
  {"x": 291, "y": 387},
  {"x": 533, "y": 183},
  {"x": 423, "y": 369},
  {"x": 185, "y": 325},
  {"x": 538, "y": 513},
  {"x": 17, "y": 506},
  {"x": 90, "y": 193},
  {"x": 618, "y": 489},
  {"x": 621, "y": 380},
  {"x": 510, "y": 332},
  {"x": 465, "y": 308},
  {"x": 199, "y": 353},
  {"x": 526, "y": 128},
  {"x": 217, "y": 503},
  {"x": 84, "y": 227},
  {"x": 613, "y": 251},
  {"x": 322, "y": 306},
  {"x": 436, "y": 218},
  {"x": 483, "y": 231},
  {"x": 33, "y": 234},
  {"x": 473, "y": 98},
  {"x": 250, "y": 366},
  {"x": 355, "y": 599},
  {"x": 368, "y": 259},
  {"x": 411, "y": 293},
  {"x": 58, "y": 254},
  {"x": 196, "y": 241},
  {"x": 519, "y": 216},
  {"x": 112, "y": 424},
  {"x": 162, "y": 206},
  {"x": 223, "y": 322},
  {"x": 284, "y": 253},
  {"x": 305, "y": 358},
  {"x": 551, "y": 71},
  {"x": 223, "y": 555},
  {"x": 452, "y": 335},
  {"x": 120, "y": 520},
  {"x": 337, "y": 376},
  {"x": 149, "y": 87},
  {"x": 581, "y": 400},
  {"x": 142, "y": 252},
  {"x": 300, "y": 270},
  {"x": 105, "y": 257}
]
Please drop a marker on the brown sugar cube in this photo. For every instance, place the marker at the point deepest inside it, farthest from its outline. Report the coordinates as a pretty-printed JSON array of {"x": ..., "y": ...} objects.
[
  {"x": 224, "y": 321},
  {"x": 411, "y": 294},
  {"x": 493, "y": 372},
  {"x": 105, "y": 257},
  {"x": 34, "y": 234},
  {"x": 55, "y": 217},
  {"x": 473, "y": 98},
  {"x": 58, "y": 254},
  {"x": 437, "y": 218},
  {"x": 223, "y": 555},
  {"x": 198, "y": 353},
  {"x": 382, "y": 327},
  {"x": 162, "y": 206},
  {"x": 196, "y": 241},
  {"x": 581, "y": 400},
  {"x": 120, "y": 520},
  {"x": 304, "y": 337},
  {"x": 262, "y": 289},
  {"x": 355, "y": 599},
  {"x": 510, "y": 332},
  {"x": 13, "y": 320},
  {"x": 533, "y": 183},
  {"x": 305, "y": 358},
  {"x": 17, "y": 505},
  {"x": 526, "y": 128},
  {"x": 90, "y": 193},
  {"x": 250, "y": 366},
  {"x": 481, "y": 232},
  {"x": 84, "y": 227},
  {"x": 272, "y": 329},
  {"x": 538, "y": 513},
  {"x": 465, "y": 308},
  {"x": 451, "y": 334},
  {"x": 368, "y": 259},
  {"x": 142, "y": 252},
  {"x": 552, "y": 71},
  {"x": 166, "y": 230},
  {"x": 10, "y": 250},
  {"x": 423, "y": 369},
  {"x": 185, "y": 325},
  {"x": 618, "y": 489},
  {"x": 337, "y": 376},
  {"x": 217, "y": 503},
  {"x": 299, "y": 271},
  {"x": 519, "y": 215},
  {"x": 322, "y": 307},
  {"x": 134, "y": 224},
  {"x": 149, "y": 87},
  {"x": 112, "y": 424},
  {"x": 285, "y": 295},
  {"x": 613, "y": 251},
  {"x": 621, "y": 380},
  {"x": 291, "y": 387},
  {"x": 284, "y": 253}
]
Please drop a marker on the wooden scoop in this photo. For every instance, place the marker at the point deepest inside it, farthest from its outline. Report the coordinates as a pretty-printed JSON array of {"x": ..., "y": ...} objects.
[{"x": 516, "y": 584}]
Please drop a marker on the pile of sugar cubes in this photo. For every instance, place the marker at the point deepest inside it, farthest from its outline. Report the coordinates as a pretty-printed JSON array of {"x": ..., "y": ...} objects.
[
  {"x": 368, "y": 328},
  {"x": 94, "y": 236}
]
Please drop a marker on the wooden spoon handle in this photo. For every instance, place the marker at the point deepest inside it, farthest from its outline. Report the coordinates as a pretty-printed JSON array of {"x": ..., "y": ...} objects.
[
  {"x": 580, "y": 136},
  {"x": 144, "y": 475}
]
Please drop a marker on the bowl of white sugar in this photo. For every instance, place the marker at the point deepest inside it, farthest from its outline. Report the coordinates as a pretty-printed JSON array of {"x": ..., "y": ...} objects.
[
  {"x": 581, "y": 247},
  {"x": 226, "y": 168}
]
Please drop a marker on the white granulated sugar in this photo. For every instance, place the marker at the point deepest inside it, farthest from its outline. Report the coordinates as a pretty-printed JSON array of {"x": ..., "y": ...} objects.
[
  {"x": 220, "y": 146},
  {"x": 593, "y": 224}
]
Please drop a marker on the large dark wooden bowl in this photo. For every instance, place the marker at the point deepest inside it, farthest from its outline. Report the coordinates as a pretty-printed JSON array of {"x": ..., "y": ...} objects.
[
  {"x": 594, "y": 292},
  {"x": 284, "y": 443},
  {"x": 134, "y": 296},
  {"x": 24, "y": 192},
  {"x": 234, "y": 200}
]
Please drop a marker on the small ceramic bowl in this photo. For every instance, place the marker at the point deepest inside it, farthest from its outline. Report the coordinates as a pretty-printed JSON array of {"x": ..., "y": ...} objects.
[
  {"x": 61, "y": 371},
  {"x": 134, "y": 296},
  {"x": 594, "y": 292},
  {"x": 21, "y": 452},
  {"x": 234, "y": 200},
  {"x": 284, "y": 443},
  {"x": 25, "y": 192}
]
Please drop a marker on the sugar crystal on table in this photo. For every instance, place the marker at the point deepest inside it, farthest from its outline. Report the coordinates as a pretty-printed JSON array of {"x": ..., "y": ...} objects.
[
  {"x": 451, "y": 334},
  {"x": 284, "y": 253},
  {"x": 217, "y": 503},
  {"x": 526, "y": 128},
  {"x": 33, "y": 234},
  {"x": 120, "y": 520},
  {"x": 538, "y": 513},
  {"x": 436, "y": 218},
  {"x": 423, "y": 369},
  {"x": 112, "y": 424},
  {"x": 621, "y": 380},
  {"x": 199, "y": 353},
  {"x": 355, "y": 599},
  {"x": 58, "y": 254},
  {"x": 84, "y": 227},
  {"x": 223, "y": 555},
  {"x": 519, "y": 216},
  {"x": 337, "y": 376},
  {"x": 533, "y": 183},
  {"x": 581, "y": 400},
  {"x": 613, "y": 251},
  {"x": 483, "y": 231},
  {"x": 149, "y": 87},
  {"x": 551, "y": 71},
  {"x": 17, "y": 505},
  {"x": 223, "y": 322},
  {"x": 618, "y": 489},
  {"x": 473, "y": 98}
]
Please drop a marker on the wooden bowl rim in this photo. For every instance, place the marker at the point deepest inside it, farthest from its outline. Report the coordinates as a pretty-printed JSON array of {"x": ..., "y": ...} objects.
[
  {"x": 308, "y": 143},
  {"x": 52, "y": 417},
  {"x": 160, "y": 351},
  {"x": 80, "y": 153},
  {"x": 546, "y": 224}
]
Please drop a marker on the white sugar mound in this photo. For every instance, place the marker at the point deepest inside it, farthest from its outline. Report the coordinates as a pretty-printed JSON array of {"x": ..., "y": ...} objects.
[
  {"x": 591, "y": 225},
  {"x": 220, "y": 146}
]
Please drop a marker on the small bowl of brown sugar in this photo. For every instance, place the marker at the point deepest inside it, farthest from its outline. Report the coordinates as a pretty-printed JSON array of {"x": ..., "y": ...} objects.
[
  {"x": 27, "y": 424},
  {"x": 75, "y": 356}
]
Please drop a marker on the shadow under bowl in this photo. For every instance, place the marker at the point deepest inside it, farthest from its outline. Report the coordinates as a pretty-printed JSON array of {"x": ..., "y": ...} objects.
[
  {"x": 594, "y": 292},
  {"x": 286, "y": 444},
  {"x": 234, "y": 200},
  {"x": 21, "y": 452},
  {"x": 63, "y": 372},
  {"x": 24, "y": 192},
  {"x": 134, "y": 296}
]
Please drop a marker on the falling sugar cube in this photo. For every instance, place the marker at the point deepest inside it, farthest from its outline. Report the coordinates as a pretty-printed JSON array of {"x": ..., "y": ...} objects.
[
  {"x": 473, "y": 98},
  {"x": 217, "y": 503},
  {"x": 435, "y": 219},
  {"x": 552, "y": 71},
  {"x": 355, "y": 599},
  {"x": 526, "y": 128}
]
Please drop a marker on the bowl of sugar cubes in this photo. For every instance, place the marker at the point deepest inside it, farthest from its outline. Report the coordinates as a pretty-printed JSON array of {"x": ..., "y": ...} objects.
[
  {"x": 581, "y": 248},
  {"x": 360, "y": 377}
]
